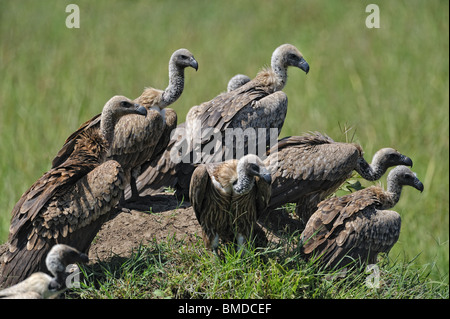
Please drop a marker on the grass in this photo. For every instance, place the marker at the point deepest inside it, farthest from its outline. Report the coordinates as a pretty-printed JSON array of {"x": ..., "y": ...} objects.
[
  {"x": 176, "y": 269},
  {"x": 389, "y": 84}
]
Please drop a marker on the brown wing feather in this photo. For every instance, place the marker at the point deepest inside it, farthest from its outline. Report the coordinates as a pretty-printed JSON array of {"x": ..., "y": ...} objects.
[
  {"x": 88, "y": 153},
  {"x": 135, "y": 138},
  {"x": 351, "y": 225},
  {"x": 225, "y": 110},
  {"x": 308, "y": 164},
  {"x": 219, "y": 111},
  {"x": 47, "y": 212},
  {"x": 159, "y": 170},
  {"x": 68, "y": 147},
  {"x": 262, "y": 196},
  {"x": 72, "y": 215},
  {"x": 200, "y": 184}
]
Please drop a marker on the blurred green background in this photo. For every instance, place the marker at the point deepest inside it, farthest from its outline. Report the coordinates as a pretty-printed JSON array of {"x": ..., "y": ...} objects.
[{"x": 389, "y": 85}]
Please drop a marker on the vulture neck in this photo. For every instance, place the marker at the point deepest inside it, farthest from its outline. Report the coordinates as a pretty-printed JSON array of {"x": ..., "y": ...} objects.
[
  {"x": 175, "y": 87},
  {"x": 394, "y": 190},
  {"x": 54, "y": 265},
  {"x": 107, "y": 125},
  {"x": 280, "y": 70},
  {"x": 370, "y": 172}
]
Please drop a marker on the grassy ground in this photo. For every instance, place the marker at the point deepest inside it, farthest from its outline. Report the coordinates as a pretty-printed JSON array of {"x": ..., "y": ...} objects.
[
  {"x": 390, "y": 85},
  {"x": 175, "y": 269}
]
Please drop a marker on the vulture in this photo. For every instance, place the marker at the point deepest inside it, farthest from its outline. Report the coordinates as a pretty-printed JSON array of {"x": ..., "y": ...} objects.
[
  {"x": 258, "y": 106},
  {"x": 162, "y": 171},
  {"x": 137, "y": 138},
  {"x": 69, "y": 203},
  {"x": 308, "y": 168},
  {"x": 43, "y": 286},
  {"x": 358, "y": 226},
  {"x": 227, "y": 198}
]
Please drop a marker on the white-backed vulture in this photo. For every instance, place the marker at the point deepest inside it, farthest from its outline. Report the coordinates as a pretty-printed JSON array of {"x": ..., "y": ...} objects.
[
  {"x": 357, "y": 226},
  {"x": 43, "y": 286},
  {"x": 306, "y": 169},
  {"x": 137, "y": 137},
  {"x": 162, "y": 171},
  {"x": 227, "y": 198},
  {"x": 69, "y": 203},
  {"x": 258, "y": 106}
]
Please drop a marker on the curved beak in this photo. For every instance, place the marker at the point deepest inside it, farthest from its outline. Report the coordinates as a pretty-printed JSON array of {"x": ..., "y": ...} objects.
[
  {"x": 418, "y": 185},
  {"x": 266, "y": 176},
  {"x": 140, "y": 110},
  {"x": 303, "y": 65},
  {"x": 194, "y": 64},
  {"x": 406, "y": 161}
]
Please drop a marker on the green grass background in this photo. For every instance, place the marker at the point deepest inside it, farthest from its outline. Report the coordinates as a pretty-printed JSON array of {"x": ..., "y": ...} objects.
[{"x": 390, "y": 85}]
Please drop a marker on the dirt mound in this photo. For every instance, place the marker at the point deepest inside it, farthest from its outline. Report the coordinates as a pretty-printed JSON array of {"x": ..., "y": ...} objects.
[
  {"x": 126, "y": 230},
  {"x": 164, "y": 218}
]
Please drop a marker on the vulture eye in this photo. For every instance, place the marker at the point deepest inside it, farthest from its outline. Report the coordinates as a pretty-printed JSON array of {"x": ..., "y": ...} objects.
[
  {"x": 254, "y": 167},
  {"x": 125, "y": 104},
  {"x": 184, "y": 57}
]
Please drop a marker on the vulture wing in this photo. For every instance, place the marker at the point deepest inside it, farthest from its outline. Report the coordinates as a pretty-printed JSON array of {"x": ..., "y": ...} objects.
[
  {"x": 351, "y": 226},
  {"x": 307, "y": 165},
  {"x": 198, "y": 190}
]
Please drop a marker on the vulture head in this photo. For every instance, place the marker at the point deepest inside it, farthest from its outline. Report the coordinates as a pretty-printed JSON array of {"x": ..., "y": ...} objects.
[
  {"x": 119, "y": 106},
  {"x": 249, "y": 167},
  {"x": 183, "y": 58},
  {"x": 390, "y": 157},
  {"x": 289, "y": 55},
  {"x": 381, "y": 161},
  {"x": 113, "y": 110},
  {"x": 402, "y": 175}
]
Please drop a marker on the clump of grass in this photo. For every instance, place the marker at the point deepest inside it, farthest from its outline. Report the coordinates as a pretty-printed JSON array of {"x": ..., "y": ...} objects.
[
  {"x": 135, "y": 277},
  {"x": 177, "y": 269}
]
